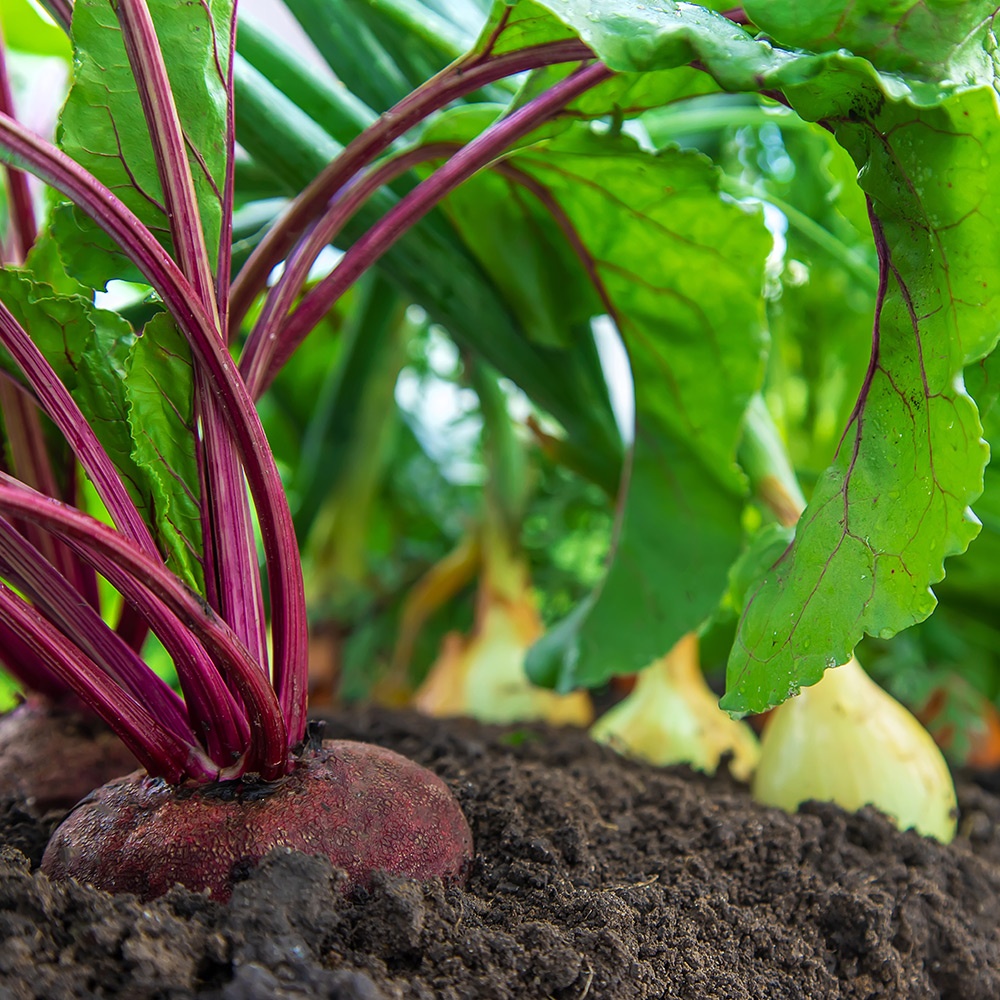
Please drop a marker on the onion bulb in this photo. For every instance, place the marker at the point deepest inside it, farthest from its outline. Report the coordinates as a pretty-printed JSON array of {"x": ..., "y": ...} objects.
[
  {"x": 673, "y": 717},
  {"x": 845, "y": 740},
  {"x": 482, "y": 675}
]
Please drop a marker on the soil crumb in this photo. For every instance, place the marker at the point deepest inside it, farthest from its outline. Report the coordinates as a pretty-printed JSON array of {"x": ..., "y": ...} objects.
[{"x": 595, "y": 877}]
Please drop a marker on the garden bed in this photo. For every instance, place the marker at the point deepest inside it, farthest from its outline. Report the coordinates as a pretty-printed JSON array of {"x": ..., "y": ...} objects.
[{"x": 594, "y": 877}]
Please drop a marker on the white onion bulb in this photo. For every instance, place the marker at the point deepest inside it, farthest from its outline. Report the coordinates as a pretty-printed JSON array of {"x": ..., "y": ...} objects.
[
  {"x": 845, "y": 740},
  {"x": 673, "y": 717}
]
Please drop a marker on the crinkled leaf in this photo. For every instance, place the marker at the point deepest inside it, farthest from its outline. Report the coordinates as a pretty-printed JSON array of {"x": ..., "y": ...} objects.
[
  {"x": 941, "y": 39},
  {"x": 895, "y": 502},
  {"x": 627, "y": 41},
  {"x": 93, "y": 352},
  {"x": 159, "y": 387},
  {"x": 516, "y": 24},
  {"x": 44, "y": 263},
  {"x": 639, "y": 41},
  {"x": 102, "y": 124},
  {"x": 682, "y": 269},
  {"x": 86, "y": 347},
  {"x": 89, "y": 255},
  {"x": 631, "y": 37}
]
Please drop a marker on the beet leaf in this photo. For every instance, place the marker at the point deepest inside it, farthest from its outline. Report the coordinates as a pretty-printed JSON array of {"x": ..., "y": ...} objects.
[{"x": 102, "y": 125}]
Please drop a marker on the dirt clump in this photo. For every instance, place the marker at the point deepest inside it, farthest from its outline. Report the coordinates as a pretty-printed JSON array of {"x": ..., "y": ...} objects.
[{"x": 594, "y": 877}]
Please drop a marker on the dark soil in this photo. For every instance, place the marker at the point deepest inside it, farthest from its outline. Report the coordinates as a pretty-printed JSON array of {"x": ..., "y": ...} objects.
[{"x": 594, "y": 878}]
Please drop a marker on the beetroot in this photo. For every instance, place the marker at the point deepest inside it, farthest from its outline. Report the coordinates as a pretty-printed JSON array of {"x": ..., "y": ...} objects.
[
  {"x": 222, "y": 784},
  {"x": 52, "y": 757},
  {"x": 364, "y": 807}
]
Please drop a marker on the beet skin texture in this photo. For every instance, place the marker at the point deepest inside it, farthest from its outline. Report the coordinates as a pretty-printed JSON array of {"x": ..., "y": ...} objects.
[{"x": 362, "y": 806}]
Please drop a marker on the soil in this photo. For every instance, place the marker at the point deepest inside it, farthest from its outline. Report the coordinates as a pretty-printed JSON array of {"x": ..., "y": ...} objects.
[{"x": 595, "y": 877}]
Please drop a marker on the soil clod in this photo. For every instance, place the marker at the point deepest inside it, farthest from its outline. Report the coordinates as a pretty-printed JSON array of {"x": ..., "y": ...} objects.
[{"x": 594, "y": 877}]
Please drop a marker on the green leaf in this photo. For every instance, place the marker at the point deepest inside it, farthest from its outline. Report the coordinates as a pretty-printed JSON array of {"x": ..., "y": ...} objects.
[
  {"x": 682, "y": 270},
  {"x": 106, "y": 369},
  {"x": 327, "y": 102},
  {"x": 682, "y": 267},
  {"x": 940, "y": 39},
  {"x": 895, "y": 502},
  {"x": 764, "y": 548},
  {"x": 102, "y": 124},
  {"x": 159, "y": 387},
  {"x": 520, "y": 246},
  {"x": 526, "y": 257},
  {"x": 26, "y": 29},
  {"x": 625, "y": 95},
  {"x": 632, "y": 37},
  {"x": 517, "y": 25},
  {"x": 352, "y": 51},
  {"x": 645, "y": 36},
  {"x": 86, "y": 347},
  {"x": 44, "y": 263},
  {"x": 681, "y": 533},
  {"x": 431, "y": 266},
  {"x": 88, "y": 254},
  {"x": 513, "y": 26}
]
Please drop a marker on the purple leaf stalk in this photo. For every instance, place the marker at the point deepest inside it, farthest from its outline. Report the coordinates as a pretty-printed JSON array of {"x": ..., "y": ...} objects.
[{"x": 244, "y": 698}]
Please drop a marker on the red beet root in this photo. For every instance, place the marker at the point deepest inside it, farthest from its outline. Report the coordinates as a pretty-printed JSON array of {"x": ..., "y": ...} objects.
[
  {"x": 364, "y": 807},
  {"x": 53, "y": 757}
]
